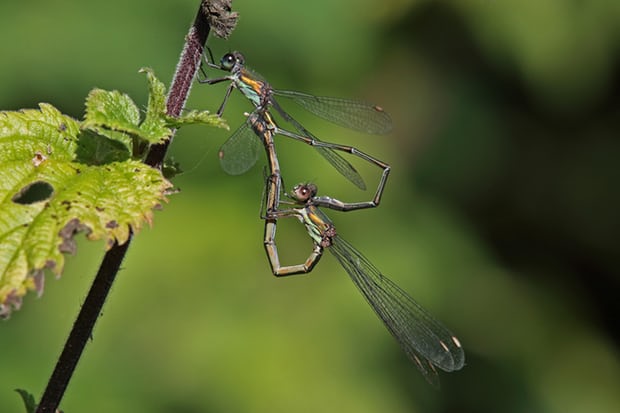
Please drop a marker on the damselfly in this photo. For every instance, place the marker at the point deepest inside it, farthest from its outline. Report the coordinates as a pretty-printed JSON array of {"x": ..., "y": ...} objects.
[
  {"x": 425, "y": 341},
  {"x": 239, "y": 154}
]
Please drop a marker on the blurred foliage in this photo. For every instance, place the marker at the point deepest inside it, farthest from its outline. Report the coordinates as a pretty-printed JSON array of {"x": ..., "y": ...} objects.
[{"x": 500, "y": 215}]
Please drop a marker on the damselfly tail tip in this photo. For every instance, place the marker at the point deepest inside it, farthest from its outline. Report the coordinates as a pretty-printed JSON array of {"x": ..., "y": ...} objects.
[{"x": 456, "y": 342}]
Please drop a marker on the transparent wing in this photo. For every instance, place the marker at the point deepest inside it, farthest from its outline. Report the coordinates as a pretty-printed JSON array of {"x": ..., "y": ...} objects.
[
  {"x": 338, "y": 162},
  {"x": 342, "y": 165},
  {"x": 240, "y": 152},
  {"x": 426, "y": 342},
  {"x": 351, "y": 114}
]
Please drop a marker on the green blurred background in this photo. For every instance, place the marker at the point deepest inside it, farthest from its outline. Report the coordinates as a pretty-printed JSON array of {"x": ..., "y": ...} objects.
[{"x": 500, "y": 216}]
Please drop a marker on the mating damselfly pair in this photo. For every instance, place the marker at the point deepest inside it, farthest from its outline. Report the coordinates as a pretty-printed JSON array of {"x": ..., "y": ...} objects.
[{"x": 425, "y": 341}]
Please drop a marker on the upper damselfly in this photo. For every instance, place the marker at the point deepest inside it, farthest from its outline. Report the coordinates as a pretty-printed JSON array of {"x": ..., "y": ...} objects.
[{"x": 241, "y": 153}]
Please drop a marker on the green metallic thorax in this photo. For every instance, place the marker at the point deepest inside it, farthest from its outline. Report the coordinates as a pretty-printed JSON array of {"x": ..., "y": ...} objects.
[{"x": 253, "y": 87}]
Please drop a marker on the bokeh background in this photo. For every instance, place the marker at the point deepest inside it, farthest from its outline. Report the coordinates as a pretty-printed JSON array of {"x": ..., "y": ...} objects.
[{"x": 500, "y": 216}]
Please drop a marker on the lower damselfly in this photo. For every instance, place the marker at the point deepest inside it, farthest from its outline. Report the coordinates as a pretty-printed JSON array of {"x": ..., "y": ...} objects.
[
  {"x": 427, "y": 343},
  {"x": 239, "y": 156}
]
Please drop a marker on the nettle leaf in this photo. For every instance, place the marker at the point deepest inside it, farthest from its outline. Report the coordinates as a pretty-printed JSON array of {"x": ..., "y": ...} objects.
[
  {"x": 155, "y": 124},
  {"x": 59, "y": 176},
  {"x": 113, "y": 111},
  {"x": 57, "y": 180}
]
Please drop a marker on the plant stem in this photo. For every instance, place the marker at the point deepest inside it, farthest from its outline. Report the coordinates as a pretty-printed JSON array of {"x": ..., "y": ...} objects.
[
  {"x": 177, "y": 96},
  {"x": 189, "y": 63},
  {"x": 82, "y": 328}
]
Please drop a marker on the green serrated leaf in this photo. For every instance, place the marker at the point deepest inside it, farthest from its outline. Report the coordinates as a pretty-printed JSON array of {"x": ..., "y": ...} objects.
[
  {"x": 155, "y": 127},
  {"x": 114, "y": 115},
  {"x": 111, "y": 110},
  {"x": 53, "y": 185},
  {"x": 156, "y": 107},
  {"x": 38, "y": 131}
]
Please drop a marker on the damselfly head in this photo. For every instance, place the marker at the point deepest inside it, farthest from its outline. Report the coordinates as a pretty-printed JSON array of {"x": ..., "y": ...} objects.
[
  {"x": 304, "y": 192},
  {"x": 230, "y": 60}
]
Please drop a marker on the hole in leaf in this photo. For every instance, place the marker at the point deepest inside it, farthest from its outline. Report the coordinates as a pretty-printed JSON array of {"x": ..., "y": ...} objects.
[{"x": 35, "y": 192}]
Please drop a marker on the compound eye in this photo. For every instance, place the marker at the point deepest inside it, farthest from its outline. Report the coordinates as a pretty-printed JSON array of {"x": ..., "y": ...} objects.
[
  {"x": 303, "y": 192},
  {"x": 228, "y": 61},
  {"x": 298, "y": 192}
]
